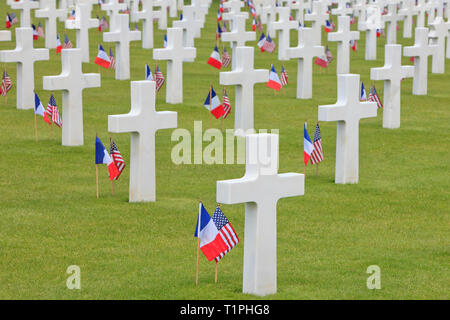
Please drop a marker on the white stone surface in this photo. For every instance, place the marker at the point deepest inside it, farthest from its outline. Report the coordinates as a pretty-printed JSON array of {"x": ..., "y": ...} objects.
[
  {"x": 121, "y": 35},
  {"x": 391, "y": 19},
  {"x": 142, "y": 122},
  {"x": 191, "y": 27},
  {"x": 175, "y": 54},
  {"x": 343, "y": 36},
  {"x": 421, "y": 50},
  {"x": 162, "y": 13},
  {"x": 50, "y": 13},
  {"x": 72, "y": 81},
  {"x": 244, "y": 77},
  {"x": 438, "y": 32},
  {"x": 342, "y": 9},
  {"x": 284, "y": 26},
  {"x": 25, "y": 7},
  {"x": 305, "y": 52},
  {"x": 371, "y": 24},
  {"x": 260, "y": 189},
  {"x": 237, "y": 36},
  {"x": 347, "y": 111},
  {"x": 82, "y": 23},
  {"x": 5, "y": 35},
  {"x": 25, "y": 56},
  {"x": 408, "y": 11},
  {"x": 392, "y": 73},
  {"x": 318, "y": 16},
  {"x": 147, "y": 14},
  {"x": 421, "y": 8}
]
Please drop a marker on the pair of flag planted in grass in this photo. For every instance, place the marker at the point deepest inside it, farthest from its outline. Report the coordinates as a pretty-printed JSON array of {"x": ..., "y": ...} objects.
[
  {"x": 312, "y": 151},
  {"x": 113, "y": 160},
  {"x": 38, "y": 32},
  {"x": 59, "y": 46},
  {"x": 51, "y": 113},
  {"x": 373, "y": 95},
  {"x": 276, "y": 82},
  {"x": 215, "y": 107},
  {"x": 158, "y": 78},
  {"x": 218, "y": 61},
  {"x": 11, "y": 19},
  {"x": 104, "y": 60},
  {"x": 325, "y": 59},
  {"x": 217, "y": 236},
  {"x": 266, "y": 44}
]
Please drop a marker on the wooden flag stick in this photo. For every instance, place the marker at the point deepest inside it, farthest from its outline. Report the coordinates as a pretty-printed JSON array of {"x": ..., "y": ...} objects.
[
  {"x": 35, "y": 127},
  {"x": 215, "y": 276},
  {"x": 51, "y": 133},
  {"x": 198, "y": 244},
  {"x": 96, "y": 178}
]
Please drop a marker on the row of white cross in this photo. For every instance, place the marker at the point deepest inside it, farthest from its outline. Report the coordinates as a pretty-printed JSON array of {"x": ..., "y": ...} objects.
[{"x": 262, "y": 186}]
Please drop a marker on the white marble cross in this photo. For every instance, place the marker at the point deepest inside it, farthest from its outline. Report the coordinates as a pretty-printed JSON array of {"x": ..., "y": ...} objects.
[
  {"x": 237, "y": 35},
  {"x": 200, "y": 11},
  {"x": 72, "y": 81},
  {"x": 122, "y": 35},
  {"x": 300, "y": 6},
  {"x": 408, "y": 11},
  {"x": 421, "y": 8},
  {"x": 347, "y": 111},
  {"x": 421, "y": 50},
  {"x": 260, "y": 189},
  {"x": 162, "y": 13},
  {"x": 305, "y": 52},
  {"x": 143, "y": 121},
  {"x": 175, "y": 54},
  {"x": 234, "y": 8},
  {"x": 391, "y": 19},
  {"x": 438, "y": 32},
  {"x": 49, "y": 12},
  {"x": 146, "y": 15},
  {"x": 371, "y": 24},
  {"x": 191, "y": 27},
  {"x": 5, "y": 35},
  {"x": 343, "y": 36},
  {"x": 284, "y": 25},
  {"x": 25, "y": 56},
  {"x": 172, "y": 8},
  {"x": 113, "y": 7},
  {"x": 360, "y": 11},
  {"x": 25, "y": 7},
  {"x": 342, "y": 9},
  {"x": 318, "y": 16},
  {"x": 392, "y": 73},
  {"x": 244, "y": 77},
  {"x": 82, "y": 23}
]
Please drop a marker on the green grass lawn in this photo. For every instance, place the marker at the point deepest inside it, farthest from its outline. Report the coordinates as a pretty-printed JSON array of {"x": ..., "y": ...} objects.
[{"x": 396, "y": 217}]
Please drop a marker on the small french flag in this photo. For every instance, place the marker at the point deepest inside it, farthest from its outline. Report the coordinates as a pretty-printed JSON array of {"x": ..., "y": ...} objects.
[
  {"x": 148, "y": 73},
  {"x": 165, "y": 41},
  {"x": 102, "y": 157},
  {"x": 215, "y": 60},
  {"x": 363, "y": 95},
  {"x": 274, "y": 81},
  {"x": 102, "y": 58},
  {"x": 308, "y": 147},
  {"x": 58, "y": 44},
  {"x": 212, "y": 103},
  {"x": 261, "y": 41},
  {"x": 39, "y": 109},
  {"x": 328, "y": 26}
]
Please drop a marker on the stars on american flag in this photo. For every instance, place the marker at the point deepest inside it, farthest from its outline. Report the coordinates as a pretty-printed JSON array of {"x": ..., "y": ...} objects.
[
  {"x": 226, "y": 231},
  {"x": 116, "y": 157}
]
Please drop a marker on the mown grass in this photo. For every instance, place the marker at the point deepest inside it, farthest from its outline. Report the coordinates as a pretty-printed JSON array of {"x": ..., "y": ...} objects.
[{"x": 396, "y": 217}]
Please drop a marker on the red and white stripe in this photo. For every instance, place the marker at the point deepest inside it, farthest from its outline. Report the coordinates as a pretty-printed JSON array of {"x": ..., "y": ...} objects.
[
  {"x": 317, "y": 153},
  {"x": 230, "y": 238}
]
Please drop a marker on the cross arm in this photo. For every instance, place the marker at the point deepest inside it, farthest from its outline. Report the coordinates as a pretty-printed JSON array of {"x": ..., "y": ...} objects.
[
  {"x": 332, "y": 112},
  {"x": 55, "y": 82},
  {"x": 163, "y": 54},
  {"x": 41, "y": 54},
  {"x": 236, "y": 190},
  {"x": 166, "y": 119},
  {"x": 189, "y": 54},
  {"x": 135, "y": 35},
  {"x": 5, "y": 35},
  {"x": 123, "y": 123},
  {"x": 289, "y": 185},
  {"x": 91, "y": 80}
]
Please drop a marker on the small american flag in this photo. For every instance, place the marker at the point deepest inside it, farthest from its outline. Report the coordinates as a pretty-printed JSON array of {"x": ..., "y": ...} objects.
[
  {"x": 317, "y": 153},
  {"x": 159, "y": 78},
  {"x": 6, "y": 83},
  {"x": 67, "y": 43},
  {"x": 373, "y": 96},
  {"x": 329, "y": 55},
  {"x": 268, "y": 45},
  {"x": 226, "y": 104},
  {"x": 226, "y": 59},
  {"x": 113, "y": 61},
  {"x": 40, "y": 30},
  {"x": 103, "y": 25},
  {"x": 226, "y": 231},
  {"x": 117, "y": 158},
  {"x": 54, "y": 111},
  {"x": 14, "y": 19},
  {"x": 284, "y": 77}
]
